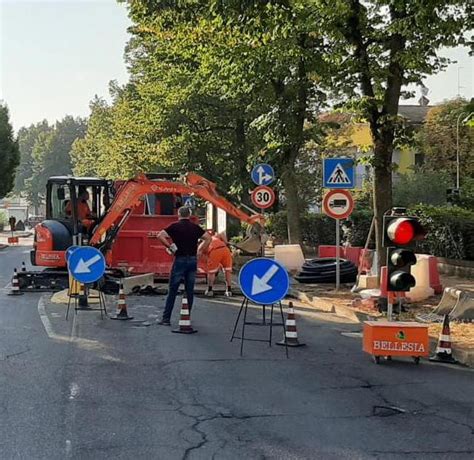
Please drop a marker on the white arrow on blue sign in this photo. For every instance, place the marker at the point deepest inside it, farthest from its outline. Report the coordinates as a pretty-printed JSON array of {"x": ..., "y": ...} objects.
[
  {"x": 264, "y": 281},
  {"x": 263, "y": 174},
  {"x": 86, "y": 264}
]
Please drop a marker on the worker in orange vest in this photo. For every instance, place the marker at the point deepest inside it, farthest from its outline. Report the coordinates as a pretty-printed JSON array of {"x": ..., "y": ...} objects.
[
  {"x": 219, "y": 256},
  {"x": 84, "y": 214}
]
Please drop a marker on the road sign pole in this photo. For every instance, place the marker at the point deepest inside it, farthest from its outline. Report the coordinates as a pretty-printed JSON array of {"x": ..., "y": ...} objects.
[{"x": 338, "y": 271}]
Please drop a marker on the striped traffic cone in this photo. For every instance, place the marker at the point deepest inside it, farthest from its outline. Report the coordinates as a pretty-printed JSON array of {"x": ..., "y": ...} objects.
[
  {"x": 15, "y": 284},
  {"x": 23, "y": 267},
  {"x": 291, "y": 334},
  {"x": 444, "y": 352},
  {"x": 122, "y": 306},
  {"x": 184, "y": 319}
]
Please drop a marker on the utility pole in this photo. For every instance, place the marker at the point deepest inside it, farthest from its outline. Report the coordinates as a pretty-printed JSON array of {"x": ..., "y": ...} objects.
[{"x": 459, "y": 81}]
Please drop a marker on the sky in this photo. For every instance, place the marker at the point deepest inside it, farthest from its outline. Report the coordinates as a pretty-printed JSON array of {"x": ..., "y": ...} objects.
[{"x": 56, "y": 55}]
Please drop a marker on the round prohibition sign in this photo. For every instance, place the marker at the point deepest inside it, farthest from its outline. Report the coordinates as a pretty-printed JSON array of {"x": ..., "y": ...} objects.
[
  {"x": 263, "y": 197},
  {"x": 338, "y": 204}
]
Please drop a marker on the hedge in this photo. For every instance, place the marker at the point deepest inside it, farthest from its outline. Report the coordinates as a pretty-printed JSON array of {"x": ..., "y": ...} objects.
[
  {"x": 320, "y": 229},
  {"x": 450, "y": 230}
]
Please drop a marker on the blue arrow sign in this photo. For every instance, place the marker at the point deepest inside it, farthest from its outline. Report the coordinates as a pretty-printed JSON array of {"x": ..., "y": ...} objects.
[
  {"x": 70, "y": 250},
  {"x": 338, "y": 173},
  {"x": 263, "y": 174},
  {"x": 86, "y": 264},
  {"x": 264, "y": 281}
]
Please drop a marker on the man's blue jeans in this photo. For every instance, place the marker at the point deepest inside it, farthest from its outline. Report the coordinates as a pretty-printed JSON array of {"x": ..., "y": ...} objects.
[{"x": 184, "y": 268}]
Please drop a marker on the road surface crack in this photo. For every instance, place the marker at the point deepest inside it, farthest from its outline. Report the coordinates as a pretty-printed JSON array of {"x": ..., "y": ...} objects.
[
  {"x": 14, "y": 355},
  {"x": 198, "y": 420}
]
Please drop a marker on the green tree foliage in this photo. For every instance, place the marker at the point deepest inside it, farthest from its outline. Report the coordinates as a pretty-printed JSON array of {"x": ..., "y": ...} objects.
[
  {"x": 376, "y": 48},
  {"x": 45, "y": 151},
  {"x": 27, "y": 138},
  {"x": 421, "y": 187},
  {"x": 437, "y": 139},
  {"x": 9, "y": 152},
  {"x": 214, "y": 87}
]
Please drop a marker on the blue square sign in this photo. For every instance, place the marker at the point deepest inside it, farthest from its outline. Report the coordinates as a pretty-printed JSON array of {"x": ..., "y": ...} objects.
[{"x": 338, "y": 173}]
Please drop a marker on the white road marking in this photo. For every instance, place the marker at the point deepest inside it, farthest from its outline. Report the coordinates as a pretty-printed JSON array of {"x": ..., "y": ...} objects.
[
  {"x": 68, "y": 448},
  {"x": 354, "y": 335},
  {"x": 85, "y": 344},
  {"x": 45, "y": 320},
  {"x": 73, "y": 391}
]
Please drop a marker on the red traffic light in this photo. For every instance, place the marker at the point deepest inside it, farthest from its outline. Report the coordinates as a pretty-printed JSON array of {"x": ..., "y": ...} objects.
[{"x": 403, "y": 230}]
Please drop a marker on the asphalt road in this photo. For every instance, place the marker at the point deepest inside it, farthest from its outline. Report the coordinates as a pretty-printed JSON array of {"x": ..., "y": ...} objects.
[{"x": 100, "y": 389}]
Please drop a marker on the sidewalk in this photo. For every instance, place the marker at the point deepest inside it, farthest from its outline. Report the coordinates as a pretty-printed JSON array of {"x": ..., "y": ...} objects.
[{"x": 323, "y": 297}]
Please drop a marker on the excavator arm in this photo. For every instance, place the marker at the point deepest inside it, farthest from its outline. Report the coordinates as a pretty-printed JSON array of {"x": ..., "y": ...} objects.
[{"x": 129, "y": 195}]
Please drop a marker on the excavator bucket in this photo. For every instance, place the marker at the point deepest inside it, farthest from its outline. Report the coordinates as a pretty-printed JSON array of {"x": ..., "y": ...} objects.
[{"x": 254, "y": 240}]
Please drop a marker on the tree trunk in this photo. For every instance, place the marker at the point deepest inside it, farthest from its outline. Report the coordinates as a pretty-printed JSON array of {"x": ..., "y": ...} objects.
[
  {"x": 241, "y": 160},
  {"x": 292, "y": 205},
  {"x": 382, "y": 192}
]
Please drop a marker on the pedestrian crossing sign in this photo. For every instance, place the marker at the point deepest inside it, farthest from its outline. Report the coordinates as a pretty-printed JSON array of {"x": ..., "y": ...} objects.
[{"x": 338, "y": 173}]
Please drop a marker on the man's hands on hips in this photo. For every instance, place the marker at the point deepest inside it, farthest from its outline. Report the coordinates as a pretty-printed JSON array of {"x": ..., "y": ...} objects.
[{"x": 171, "y": 250}]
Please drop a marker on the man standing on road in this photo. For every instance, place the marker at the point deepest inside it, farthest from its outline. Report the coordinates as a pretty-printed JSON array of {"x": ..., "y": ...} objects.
[{"x": 185, "y": 236}]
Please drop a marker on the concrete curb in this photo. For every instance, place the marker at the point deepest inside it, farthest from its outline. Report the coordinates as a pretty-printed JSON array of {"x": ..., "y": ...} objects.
[
  {"x": 463, "y": 355},
  {"x": 3, "y": 246}
]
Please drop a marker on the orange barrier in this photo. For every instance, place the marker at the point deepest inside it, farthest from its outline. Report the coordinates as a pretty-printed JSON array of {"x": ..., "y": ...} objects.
[
  {"x": 389, "y": 338},
  {"x": 435, "y": 281}
]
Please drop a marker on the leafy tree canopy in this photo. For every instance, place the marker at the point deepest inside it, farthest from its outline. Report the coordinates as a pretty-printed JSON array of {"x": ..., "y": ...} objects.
[
  {"x": 9, "y": 152},
  {"x": 437, "y": 140},
  {"x": 46, "y": 151}
]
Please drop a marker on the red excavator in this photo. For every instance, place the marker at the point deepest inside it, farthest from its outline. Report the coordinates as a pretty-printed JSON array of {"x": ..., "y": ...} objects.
[{"x": 124, "y": 220}]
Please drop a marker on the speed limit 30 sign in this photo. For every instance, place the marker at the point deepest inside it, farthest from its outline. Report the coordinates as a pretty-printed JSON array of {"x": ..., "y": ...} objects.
[{"x": 263, "y": 197}]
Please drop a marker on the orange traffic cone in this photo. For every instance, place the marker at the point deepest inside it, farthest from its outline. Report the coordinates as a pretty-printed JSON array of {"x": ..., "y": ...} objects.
[
  {"x": 122, "y": 306},
  {"x": 184, "y": 320},
  {"x": 443, "y": 350},
  {"x": 15, "y": 284},
  {"x": 291, "y": 334}
]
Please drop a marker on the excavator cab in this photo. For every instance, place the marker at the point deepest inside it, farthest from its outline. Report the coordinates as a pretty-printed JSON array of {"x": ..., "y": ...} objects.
[{"x": 74, "y": 206}]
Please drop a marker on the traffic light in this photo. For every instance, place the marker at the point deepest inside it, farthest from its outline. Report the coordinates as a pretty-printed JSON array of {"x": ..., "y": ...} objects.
[{"x": 399, "y": 235}]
